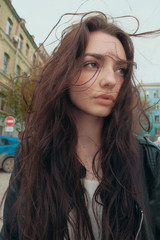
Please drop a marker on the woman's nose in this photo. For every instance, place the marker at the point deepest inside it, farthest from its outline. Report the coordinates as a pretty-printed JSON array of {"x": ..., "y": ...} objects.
[{"x": 107, "y": 77}]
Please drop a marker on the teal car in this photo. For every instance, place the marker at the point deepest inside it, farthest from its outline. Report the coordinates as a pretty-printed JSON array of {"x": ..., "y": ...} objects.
[{"x": 8, "y": 147}]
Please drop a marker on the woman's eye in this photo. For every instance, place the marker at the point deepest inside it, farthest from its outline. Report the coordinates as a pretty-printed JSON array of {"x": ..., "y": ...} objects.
[
  {"x": 91, "y": 65},
  {"x": 121, "y": 71}
]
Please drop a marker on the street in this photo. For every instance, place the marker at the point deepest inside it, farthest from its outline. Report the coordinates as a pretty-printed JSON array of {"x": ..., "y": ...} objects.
[{"x": 4, "y": 180}]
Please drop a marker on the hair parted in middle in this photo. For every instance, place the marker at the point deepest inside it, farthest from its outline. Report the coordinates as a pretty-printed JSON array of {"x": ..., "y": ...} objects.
[{"x": 51, "y": 170}]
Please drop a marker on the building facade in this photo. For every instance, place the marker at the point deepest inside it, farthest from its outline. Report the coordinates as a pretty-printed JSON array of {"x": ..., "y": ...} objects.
[
  {"x": 151, "y": 91},
  {"x": 18, "y": 50}
]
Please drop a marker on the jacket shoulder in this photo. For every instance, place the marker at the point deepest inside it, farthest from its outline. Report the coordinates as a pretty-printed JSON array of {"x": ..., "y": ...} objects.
[
  {"x": 147, "y": 142},
  {"x": 151, "y": 153}
]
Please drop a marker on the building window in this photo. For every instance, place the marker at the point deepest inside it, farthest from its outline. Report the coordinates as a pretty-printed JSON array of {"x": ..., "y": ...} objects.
[
  {"x": 156, "y": 106},
  {"x": 27, "y": 49},
  {"x": 9, "y": 27},
  {"x": 1, "y": 130},
  {"x": 2, "y": 104},
  {"x": 156, "y": 118},
  {"x": 146, "y": 93},
  {"x": 20, "y": 43},
  {"x": 34, "y": 58},
  {"x": 18, "y": 70},
  {"x": 157, "y": 132},
  {"x": 5, "y": 62},
  {"x": 156, "y": 93}
]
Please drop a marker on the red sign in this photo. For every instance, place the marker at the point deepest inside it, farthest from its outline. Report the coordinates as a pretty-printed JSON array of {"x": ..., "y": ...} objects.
[{"x": 10, "y": 121}]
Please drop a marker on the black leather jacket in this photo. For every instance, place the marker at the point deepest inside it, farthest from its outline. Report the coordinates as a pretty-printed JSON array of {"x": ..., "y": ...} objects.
[{"x": 151, "y": 183}]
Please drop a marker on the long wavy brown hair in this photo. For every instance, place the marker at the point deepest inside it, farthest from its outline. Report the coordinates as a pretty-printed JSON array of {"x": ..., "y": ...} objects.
[{"x": 49, "y": 173}]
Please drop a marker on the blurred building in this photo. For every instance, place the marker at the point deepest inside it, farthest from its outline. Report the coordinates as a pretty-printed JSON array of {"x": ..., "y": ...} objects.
[
  {"x": 17, "y": 50},
  {"x": 151, "y": 91}
]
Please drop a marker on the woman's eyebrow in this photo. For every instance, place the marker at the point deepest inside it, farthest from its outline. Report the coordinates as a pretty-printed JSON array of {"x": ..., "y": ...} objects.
[
  {"x": 102, "y": 57},
  {"x": 95, "y": 55}
]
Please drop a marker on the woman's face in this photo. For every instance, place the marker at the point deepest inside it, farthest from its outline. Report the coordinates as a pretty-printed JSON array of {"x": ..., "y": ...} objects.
[{"x": 102, "y": 75}]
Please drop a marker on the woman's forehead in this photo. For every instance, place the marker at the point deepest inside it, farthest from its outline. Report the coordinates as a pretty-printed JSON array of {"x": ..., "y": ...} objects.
[{"x": 106, "y": 45}]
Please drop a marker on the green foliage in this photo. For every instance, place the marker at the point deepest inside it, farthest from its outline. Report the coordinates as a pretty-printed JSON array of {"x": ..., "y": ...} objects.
[
  {"x": 4, "y": 98},
  {"x": 16, "y": 99},
  {"x": 23, "y": 86}
]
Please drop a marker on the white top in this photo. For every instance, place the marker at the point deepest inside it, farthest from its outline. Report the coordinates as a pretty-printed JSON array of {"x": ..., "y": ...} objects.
[{"x": 94, "y": 209}]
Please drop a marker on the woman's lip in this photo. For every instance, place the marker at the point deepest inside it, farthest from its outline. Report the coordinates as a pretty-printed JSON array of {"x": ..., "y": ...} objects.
[
  {"x": 106, "y": 96},
  {"x": 105, "y": 99}
]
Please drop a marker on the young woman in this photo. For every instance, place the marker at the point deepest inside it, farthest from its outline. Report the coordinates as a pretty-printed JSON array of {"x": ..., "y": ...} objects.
[{"x": 81, "y": 172}]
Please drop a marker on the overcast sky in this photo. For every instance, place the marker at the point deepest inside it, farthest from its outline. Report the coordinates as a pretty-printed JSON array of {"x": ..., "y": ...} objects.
[{"x": 42, "y": 15}]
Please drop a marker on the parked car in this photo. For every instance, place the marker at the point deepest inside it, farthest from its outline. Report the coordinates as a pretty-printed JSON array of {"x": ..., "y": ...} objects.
[{"x": 7, "y": 152}]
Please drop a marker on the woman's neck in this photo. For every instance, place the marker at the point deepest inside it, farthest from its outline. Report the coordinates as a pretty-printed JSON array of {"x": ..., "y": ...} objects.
[
  {"x": 89, "y": 126},
  {"x": 89, "y": 141}
]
